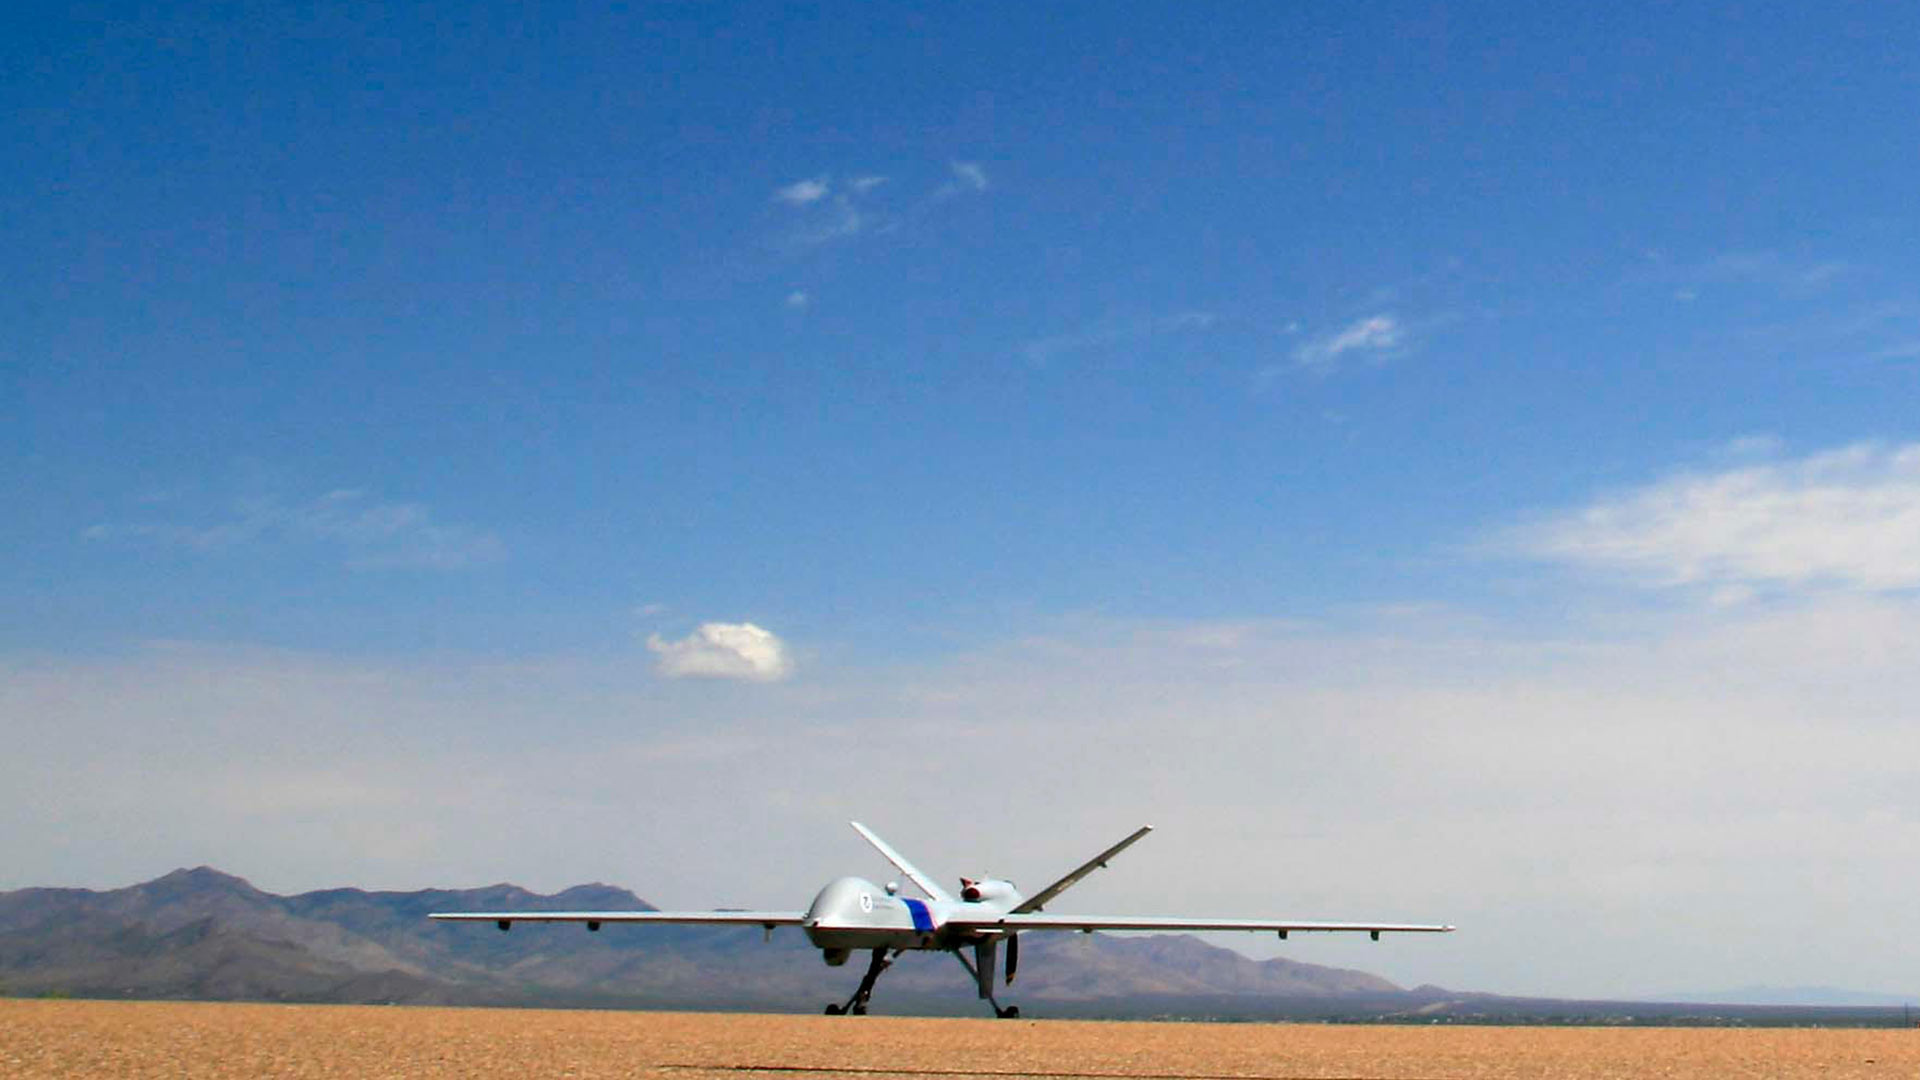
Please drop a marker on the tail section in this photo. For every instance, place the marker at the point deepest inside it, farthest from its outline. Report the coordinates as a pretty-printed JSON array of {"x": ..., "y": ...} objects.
[{"x": 927, "y": 884}]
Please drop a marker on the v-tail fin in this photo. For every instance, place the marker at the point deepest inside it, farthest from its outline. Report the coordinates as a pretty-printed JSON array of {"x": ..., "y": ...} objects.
[{"x": 927, "y": 884}]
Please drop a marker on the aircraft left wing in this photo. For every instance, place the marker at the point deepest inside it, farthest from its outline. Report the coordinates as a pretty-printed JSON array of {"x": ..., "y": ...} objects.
[
  {"x": 1089, "y": 923},
  {"x": 593, "y": 919}
]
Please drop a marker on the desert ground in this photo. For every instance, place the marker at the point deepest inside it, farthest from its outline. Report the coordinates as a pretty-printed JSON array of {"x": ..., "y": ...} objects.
[{"x": 140, "y": 1039}]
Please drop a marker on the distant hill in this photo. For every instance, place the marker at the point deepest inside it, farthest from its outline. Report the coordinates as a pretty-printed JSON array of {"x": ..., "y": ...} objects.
[
  {"x": 1792, "y": 995},
  {"x": 204, "y": 934}
]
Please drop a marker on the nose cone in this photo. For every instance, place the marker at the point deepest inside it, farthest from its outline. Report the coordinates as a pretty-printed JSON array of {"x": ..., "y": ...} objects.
[
  {"x": 841, "y": 903},
  {"x": 842, "y": 915}
]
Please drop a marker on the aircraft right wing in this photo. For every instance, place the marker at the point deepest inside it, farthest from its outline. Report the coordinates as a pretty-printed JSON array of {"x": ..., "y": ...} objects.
[
  {"x": 593, "y": 919},
  {"x": 1087, "y": 924}
]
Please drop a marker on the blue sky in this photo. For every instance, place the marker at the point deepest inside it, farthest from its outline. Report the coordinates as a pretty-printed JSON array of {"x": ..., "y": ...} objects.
[{"x": 566, "y": 397}]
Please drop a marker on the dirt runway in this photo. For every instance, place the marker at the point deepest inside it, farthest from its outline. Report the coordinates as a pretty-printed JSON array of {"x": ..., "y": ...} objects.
[{"x": 151, "y": 1039}]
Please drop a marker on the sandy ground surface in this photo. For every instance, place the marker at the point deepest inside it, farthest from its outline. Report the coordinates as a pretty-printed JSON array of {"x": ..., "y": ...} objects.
[{"x": 141, "y": 1039}]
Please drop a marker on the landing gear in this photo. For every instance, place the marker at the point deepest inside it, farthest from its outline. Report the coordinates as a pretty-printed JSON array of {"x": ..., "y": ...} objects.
[
  {"x": 857, "y": 1004},
  {"x": 981, "y": 968},
  {"x": 884, "y": 958}
]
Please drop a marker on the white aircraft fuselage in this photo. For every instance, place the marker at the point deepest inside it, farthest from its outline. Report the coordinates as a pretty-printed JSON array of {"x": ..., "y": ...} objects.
[{"x": 854, "y": 913}]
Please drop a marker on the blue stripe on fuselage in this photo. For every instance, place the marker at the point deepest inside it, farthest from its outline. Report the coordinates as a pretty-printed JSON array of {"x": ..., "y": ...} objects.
[{"x": 922, "y": 922}]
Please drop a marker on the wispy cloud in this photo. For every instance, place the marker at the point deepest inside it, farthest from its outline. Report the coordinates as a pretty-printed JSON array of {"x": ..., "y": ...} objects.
[
  {"x": 824, "y": 213},
  {"x": 1846, "y": 518},
  {"x": 798, "y": 300},
  {"x": 372, "y": 533},
  {"x": 1820, "y": 311},
  {"x": 971, "y": 174},
  {"x": 822, "y": 210},
  {"x": 724, "y": 651},
  {"x": 837, "y": 219},
  {"x": 1771, "y": 271},
  {"x": 1374, "y": 337},
  {"x": 967, "y": 178},
  {"x": 1115, "y": 332},
  {"x": 802, "y": 192},
  {"x": 1771, "y": 268}
]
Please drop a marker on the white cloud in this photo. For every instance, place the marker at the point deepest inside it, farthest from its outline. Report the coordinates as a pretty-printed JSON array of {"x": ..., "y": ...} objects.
[
  {"x": 825, "y": 214},
  {"x": 1846, "y": 518},
  {"x": 1769, "y": 268},
  {"x": 373, "y": 533},
  {"x": 1375, "y": 334},
  {"x": 1752, "y": 273},
  {"x": 1751, "y": 447},
  {"x": 1113, "y": 332},
  {"x": 724, "y": 651},
  {"x": 967, "y": 177},
  {"x": 832, "y": 219},
  {"x": 971, "y": 174},
  {"x": 802, "y": 192},
  {"x": 829, "y": 211}
]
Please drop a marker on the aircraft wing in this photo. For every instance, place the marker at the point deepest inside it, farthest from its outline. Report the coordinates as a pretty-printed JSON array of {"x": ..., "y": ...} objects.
[
  {"x": 1098, "y": 862},
  {"x": 1173, "y": 923},
  {"x": 768, "y": 919}
]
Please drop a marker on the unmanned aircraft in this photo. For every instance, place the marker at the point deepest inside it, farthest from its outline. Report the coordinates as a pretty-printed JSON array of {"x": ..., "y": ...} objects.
[{"x": 853, "y": 914}]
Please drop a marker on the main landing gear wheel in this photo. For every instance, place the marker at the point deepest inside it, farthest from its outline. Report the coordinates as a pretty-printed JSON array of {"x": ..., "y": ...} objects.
[
  {"x": 857, "y": 1004},
  {"x": 834, "y": 1009},
  {"x": 1011, "y": 1012}
]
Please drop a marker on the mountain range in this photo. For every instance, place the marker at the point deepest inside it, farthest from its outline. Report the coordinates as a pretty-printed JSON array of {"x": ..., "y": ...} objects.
[{"x": 204, "y": 934}]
